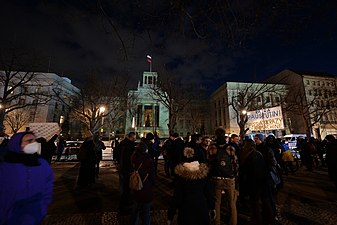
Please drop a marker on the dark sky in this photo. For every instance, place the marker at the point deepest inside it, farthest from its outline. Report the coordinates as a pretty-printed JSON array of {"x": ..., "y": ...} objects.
[{"x": 209, "y": 42}]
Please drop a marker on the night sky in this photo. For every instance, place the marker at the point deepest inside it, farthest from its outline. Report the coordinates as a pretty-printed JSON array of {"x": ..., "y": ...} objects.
[{"x": 207, "y": 42}]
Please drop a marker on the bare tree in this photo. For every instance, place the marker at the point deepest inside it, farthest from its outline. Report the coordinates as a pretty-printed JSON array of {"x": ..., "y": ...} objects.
[
  {"x": 311, "y": 110},
  {"x": 173, "y": 95},
  {"x": 132, "y": 103},
  {"x": 98, "y": 100},
  {"x": 234, "y": 22},
  {"x": 19, "y": 87},
  {"x": 252, "y": 96},
  {"x": 197, "y": 111},
  {"x": 119, "y": 110},
  {"x": 17, "y": 119}
]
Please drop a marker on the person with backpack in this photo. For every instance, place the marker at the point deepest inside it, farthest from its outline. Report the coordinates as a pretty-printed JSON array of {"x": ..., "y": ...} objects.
[
  {"x": 223, "y": 172},
  {"x": 143, "y": 165}
]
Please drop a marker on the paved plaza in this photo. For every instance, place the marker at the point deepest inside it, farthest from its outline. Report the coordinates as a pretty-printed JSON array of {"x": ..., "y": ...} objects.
[{"x": 308, "y": 198}]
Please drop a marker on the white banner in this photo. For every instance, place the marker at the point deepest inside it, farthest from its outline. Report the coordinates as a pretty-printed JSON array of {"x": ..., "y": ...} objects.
[
  {"x": 45, "y": 130},
  {"x": 265, "y": 119}
]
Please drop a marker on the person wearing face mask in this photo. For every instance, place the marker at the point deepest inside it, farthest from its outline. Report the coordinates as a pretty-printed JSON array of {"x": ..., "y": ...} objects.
[{"x": 26, "y": 182}]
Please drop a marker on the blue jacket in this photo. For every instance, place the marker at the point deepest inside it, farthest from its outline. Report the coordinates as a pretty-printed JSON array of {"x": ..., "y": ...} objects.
[{"x": 26, "y": 188}]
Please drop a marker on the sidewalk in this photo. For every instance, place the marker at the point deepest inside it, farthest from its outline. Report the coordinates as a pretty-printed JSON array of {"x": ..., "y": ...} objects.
[{"x": 307, "y": 198}]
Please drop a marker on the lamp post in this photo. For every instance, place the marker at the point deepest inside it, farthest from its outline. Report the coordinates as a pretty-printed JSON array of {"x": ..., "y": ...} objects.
[
  {"x": 242, "y": 123},
  {"x": 61, "y": 124}
]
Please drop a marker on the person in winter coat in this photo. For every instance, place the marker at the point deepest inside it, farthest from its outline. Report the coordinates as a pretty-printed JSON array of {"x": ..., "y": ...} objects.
[
  {"x": 87, "y": 157},
  {"x": 99, "y": 147},
  {"x": 26, "y": 182},
  {"x": 144, "y": 197},
  {"x": 126, "y": 149},
  {"x": 331, "y": 157},
  {"x": 193, "y": 197},
  {"x": 256, "y": 181},
  {"x": 271, "y": 163}
]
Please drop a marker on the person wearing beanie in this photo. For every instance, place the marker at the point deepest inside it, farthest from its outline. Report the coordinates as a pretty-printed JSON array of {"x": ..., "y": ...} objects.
[
  {"x": 193, "y": 197},
  {"x": 144, "y": 197},
  {"x": 26, "y": 182},
  {"x": 260, "y": 137}
]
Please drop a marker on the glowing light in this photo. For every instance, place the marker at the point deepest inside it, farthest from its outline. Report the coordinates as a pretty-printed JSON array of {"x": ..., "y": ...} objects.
[{"x": 102, "y": 109}]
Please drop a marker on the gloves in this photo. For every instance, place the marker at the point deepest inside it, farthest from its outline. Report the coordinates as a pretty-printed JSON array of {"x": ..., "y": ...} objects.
[
  {"x": 169, "y": 222},
  {"x": 212, "y": 214}
]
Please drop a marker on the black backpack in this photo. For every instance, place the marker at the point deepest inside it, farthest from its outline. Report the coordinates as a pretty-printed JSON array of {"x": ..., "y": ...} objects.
[{"x": 224, "y": 166}]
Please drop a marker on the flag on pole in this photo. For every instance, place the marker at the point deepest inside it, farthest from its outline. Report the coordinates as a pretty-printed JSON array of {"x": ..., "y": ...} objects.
[{"x": 149, "y": 58}]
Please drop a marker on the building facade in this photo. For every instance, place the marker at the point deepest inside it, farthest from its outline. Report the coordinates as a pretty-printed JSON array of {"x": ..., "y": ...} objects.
[
  {"x": 231, "y": 101},
  {"x": 146, "y": 114},
  {"x": 41, "y": 87},
  {"x": 312, "y": 101}
]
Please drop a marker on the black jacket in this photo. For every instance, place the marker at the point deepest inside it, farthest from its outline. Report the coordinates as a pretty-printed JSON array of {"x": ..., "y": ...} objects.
[
  {"x": 193, "y": 196},
  {"x": 126, "y": 148}
]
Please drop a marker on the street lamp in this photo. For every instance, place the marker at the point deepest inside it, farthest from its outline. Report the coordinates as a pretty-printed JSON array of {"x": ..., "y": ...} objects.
[
  {"x": 101, "y": 111},
  {"x": 61, "y": 124}
]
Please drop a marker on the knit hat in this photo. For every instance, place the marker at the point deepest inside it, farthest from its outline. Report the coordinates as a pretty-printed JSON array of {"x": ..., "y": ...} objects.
[{"x": 260, "y": 136}]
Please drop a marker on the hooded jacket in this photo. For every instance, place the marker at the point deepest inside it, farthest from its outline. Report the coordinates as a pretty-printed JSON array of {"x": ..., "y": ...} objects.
[
  {"x": 193, "y": 196},
  {"x": 26, "y": 186}
]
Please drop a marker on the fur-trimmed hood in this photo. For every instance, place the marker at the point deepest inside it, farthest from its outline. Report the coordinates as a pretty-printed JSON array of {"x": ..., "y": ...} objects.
[{"x": 188, "y": 174}]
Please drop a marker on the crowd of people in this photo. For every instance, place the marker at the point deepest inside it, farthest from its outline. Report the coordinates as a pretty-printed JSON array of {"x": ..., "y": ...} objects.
[{"x": 206, "y": 172}]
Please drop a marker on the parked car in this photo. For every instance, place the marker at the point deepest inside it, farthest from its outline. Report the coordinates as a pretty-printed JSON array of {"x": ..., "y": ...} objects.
[
  {"x": 71, "y": 149},
  {"x": 291, "y": 139}
]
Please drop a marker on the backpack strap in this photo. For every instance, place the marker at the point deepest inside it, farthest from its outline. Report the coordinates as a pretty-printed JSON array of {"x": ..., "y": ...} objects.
[
  {"x": 145, "y": 177},
  {"x": 146, "y": 173},
  {"x": 139, "y": 166}
]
